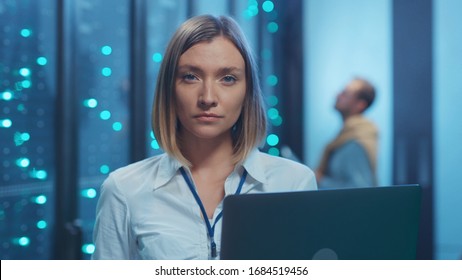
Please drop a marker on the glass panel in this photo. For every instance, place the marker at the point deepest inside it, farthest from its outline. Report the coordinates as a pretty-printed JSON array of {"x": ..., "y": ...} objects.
[
  {"x": 27, "y": 95},
  {"x": 102, "y": 63}
]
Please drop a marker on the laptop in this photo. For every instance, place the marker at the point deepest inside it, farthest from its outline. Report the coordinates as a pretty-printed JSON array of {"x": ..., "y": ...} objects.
[{"x": 379, "y": 223}]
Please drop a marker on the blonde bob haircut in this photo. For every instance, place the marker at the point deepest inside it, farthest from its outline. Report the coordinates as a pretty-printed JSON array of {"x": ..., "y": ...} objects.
[{"x": 250, "y": 128}]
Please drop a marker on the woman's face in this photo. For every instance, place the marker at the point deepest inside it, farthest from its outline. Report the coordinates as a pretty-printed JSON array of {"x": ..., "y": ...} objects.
[{"x": 210, "y": 88}]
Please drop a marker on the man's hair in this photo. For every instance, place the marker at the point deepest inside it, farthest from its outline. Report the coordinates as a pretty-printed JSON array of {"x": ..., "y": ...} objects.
[
  {"x": 249, "y": 129},
  {"x": 366, "y": 92}
]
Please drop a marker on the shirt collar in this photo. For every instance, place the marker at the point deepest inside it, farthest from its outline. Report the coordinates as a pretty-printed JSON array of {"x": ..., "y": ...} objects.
[
  {"x": 168, "y": 167},
  {"x": 255, "y": 166}
]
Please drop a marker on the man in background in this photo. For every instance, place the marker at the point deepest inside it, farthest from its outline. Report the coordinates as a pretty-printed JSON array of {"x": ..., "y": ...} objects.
[{"x": 350, "y": 159}]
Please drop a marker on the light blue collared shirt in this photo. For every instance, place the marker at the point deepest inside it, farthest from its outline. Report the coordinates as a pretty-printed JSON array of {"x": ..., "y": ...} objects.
[{"x": 147, "y": 211}]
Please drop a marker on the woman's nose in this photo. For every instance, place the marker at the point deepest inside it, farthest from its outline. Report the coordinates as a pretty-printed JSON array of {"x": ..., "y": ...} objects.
[{"x": 208, "y": 97}]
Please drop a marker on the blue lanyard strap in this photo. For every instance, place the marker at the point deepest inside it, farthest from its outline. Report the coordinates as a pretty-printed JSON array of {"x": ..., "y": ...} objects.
[{"x": 210, "y": 228}]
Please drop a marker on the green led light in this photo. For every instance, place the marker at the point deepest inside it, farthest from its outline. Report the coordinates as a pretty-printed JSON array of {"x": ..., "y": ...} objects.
[
  {"x": 89, "y": 193},
  {"x": 90, "y": 103},
  {"x": 88, "y": 249},
  {"x": 106, "y": 50},
  {"x": 104, "y": 169},
  {"x": 22, "y": 162},
  {"x": 117, "y": 126},
  {"x": 105, "y": 115},
  {"x": 106, "y": 71},
  {"x": 272, "y": 27},
  {"x": 272, "y": 80},
  {"x": 273, "y": 151},
  {"x": 42, "y": 224},
  {"x": 26, "y": 32},
  {"x": 41, "y": 199},
  {"x": 155, "y": 145},
  {"x": 272, "y": 139},
  {"x": 6, "y": 123},
  {"x": 7, "y": 95},
  {"x": 157, "y": 57},
  {"x": 42, "y": 61},
  {"x": 267, "y": 6}
]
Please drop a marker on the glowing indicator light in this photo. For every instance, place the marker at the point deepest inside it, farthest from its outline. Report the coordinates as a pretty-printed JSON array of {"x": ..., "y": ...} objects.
[
  {"x": 89, "y": 193},
  {"x": 106, "y": 50},
  {"x": 23, "y": 241},
  {"x": 41, "y": 199},
  {"x": 41, "y": 174},
  {"x": 5, "y": 123},
  {"x": 155, "y": 144},
  {"x": 105, "y": 115},
  {"x": 88, "y": 249},
  {"x": 42, "y": 224},
  {"x": 106, "y": 71},
  {"x": 25, "y": 72},
  {"x": 117, "y": 126},
  {"x": 90, "y": 103},
  {"x": 272, "y": 101},
  {"x": 272, "y": 80},
  {"x": 277, "y": 121},
  {"x": 273, "y": 113},
  {"x": 42, "y": 61},
  {"x": 26, "y": 32},
  {"x": 26, "y": 84},
  {"x": 273, "y": 151},
  {"x": 104, "y": 169},
  {"x": 22, "y": 162},
  {"x": 157, "y": 57},
  {"x": 267, "y": 6},
  {"x": 272, "y": 27},
  {"x": 7, "y": 95},
  {"x": 272, "y": 139}
]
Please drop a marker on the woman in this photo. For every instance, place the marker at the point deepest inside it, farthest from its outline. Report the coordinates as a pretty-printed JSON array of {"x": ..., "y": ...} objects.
[{"x": 208, "y": 117}]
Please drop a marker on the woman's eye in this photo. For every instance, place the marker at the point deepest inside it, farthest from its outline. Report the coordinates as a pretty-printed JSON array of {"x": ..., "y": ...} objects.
[
  {"x": 229, "y": 79},
  {"x": 189, "y": 77}
]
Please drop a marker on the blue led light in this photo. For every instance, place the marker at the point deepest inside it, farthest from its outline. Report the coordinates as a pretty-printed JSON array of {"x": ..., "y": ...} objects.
[
  {"x": 273, "y": 151},
  {"x": 272, "y": 100},
  {"x": 277, "y": 121},
  {"x": 42, "y": 61},
  {"x": 272, "y": 80},
  {"x": 272, "y": 139},
  {"x": 272, "y": 27},
  {"x": 252, "y": 9},
  {"x": 20, "y": 138},
  {"x": 42, "y": 224},
  {"x": 23, "y": 162},
  {"x": 25, "y": 72},
  {"x": 106, "y": 71},
  {"x": 105, "y": 115},
  {"x": 155, "y": 144},
  {"x": 267, "y": 6},
  {"x": 41, "y": 174},
  {"x": 26, "y": 84},
  {"x": 7, "y": 95},
  {"x": 6, "y": 123},
  {"x": 106, "y": 50},
  {"x": 157, "y": 57},
  {"x": 88, "y": 248},
  {"x": 273, "y": 113},
  {"x": 117, "y": 126},
  {"x": 41, "y": 199},
  {"x": 89, "y": 193},
  {"x": 104, "y": 169},
  {"x": 23, "y": 241},
  {"x": 90, "y": 103},
  {"x": 26, "y": 32}
]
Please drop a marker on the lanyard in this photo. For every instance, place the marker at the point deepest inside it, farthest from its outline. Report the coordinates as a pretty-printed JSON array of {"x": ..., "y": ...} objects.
[{"x": 210, "y": 228}]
